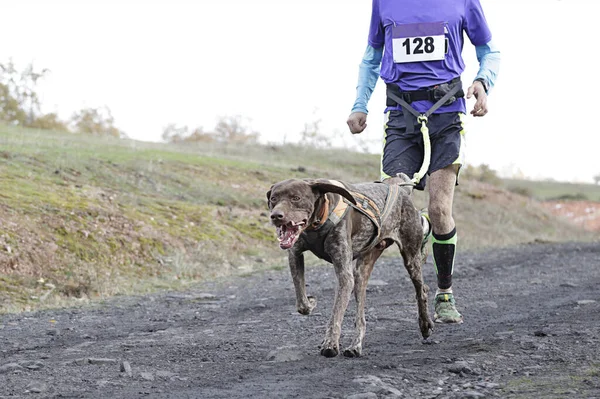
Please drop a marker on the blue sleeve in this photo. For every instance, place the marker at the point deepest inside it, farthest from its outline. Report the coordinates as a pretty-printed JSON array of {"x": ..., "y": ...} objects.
[
  {"x": 368, "y": 74},
  {"x": 488, "y": 56}
]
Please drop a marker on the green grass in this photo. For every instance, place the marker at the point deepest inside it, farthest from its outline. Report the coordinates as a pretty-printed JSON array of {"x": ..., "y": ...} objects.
[
  {"x": 97, "y": 216},
  {"x": 550, "y": 190}
]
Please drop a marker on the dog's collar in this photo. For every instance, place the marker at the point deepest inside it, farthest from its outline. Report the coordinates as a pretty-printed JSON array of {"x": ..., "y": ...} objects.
[
  {"x": 326, "y": 213},
  {"x": 323, "y": 214}
]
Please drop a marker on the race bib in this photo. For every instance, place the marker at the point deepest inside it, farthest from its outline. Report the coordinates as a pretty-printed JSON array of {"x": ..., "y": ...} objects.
[{"x": 418, "y": 42}]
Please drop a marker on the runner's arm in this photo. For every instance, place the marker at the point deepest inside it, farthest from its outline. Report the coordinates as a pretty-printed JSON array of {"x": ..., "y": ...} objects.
[
  {"x": 488, "y": 56},
  {"x": 368, "y": 74}
]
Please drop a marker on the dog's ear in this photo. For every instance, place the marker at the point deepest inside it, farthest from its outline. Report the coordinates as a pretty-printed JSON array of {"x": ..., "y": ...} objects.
[
  {"x": 331, "y": 186},
  {"x": 269, "y": 196}
]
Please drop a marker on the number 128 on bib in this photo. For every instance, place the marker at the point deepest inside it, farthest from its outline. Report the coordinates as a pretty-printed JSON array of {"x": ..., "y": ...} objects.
[{"x": 418, "y": 42}]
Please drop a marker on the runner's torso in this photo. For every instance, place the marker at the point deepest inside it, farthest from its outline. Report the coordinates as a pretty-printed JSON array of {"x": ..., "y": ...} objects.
[{"x": 423, "y": 41}]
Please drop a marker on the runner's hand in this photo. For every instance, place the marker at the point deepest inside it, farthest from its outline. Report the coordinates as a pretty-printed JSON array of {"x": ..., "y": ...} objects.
[
  {"x": 357, "y": 122},
  {"x": 477, "y": 90}
]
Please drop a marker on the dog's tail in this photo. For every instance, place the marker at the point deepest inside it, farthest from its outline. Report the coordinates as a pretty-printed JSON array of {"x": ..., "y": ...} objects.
[{"x": 403, "y": 181}]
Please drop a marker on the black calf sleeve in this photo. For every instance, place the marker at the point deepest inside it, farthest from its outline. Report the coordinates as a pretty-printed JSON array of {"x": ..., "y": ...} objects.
[{"x": 444, "y": 249}]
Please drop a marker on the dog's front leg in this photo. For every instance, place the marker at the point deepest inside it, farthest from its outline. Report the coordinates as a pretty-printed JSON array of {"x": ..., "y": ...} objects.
[
  {"x": 304, "y": 304},
  {"x": 342, "y": 262}
]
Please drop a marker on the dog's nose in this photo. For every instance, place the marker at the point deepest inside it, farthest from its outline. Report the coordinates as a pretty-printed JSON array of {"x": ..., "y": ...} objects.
[{"x": 276, "y": 215}]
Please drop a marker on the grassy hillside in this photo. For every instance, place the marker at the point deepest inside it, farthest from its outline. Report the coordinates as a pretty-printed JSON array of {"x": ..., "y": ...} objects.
[
  {"x": 549, "y": 190},
  {"x": 88, "y": 217}
]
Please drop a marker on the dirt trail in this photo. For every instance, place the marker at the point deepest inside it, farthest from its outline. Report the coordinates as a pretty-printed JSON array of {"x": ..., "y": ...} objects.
[{"x": 532, "y": 330}]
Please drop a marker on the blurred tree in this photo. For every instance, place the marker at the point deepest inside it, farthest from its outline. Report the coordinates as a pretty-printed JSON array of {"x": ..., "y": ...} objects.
[
  {"x": 19, "y": 102},
  {"x": 96, "y": 121},
  {"x": 175, "y": 134},
  {"x": 198, "y": 135},
  {"x": 311, "y": 135},
  {"x": 49, "y": 122},
  {"x": 20, "y": 105},
  {"x": 597, "y": 179},
  {"x": 232, "y": 129}
]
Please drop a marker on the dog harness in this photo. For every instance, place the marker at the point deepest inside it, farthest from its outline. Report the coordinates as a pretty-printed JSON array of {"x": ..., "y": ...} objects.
[{"x": 329, "y": 218}]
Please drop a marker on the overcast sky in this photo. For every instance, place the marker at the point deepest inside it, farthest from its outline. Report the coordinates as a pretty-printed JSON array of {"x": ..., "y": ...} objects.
[{"x": 283, "y": 63}]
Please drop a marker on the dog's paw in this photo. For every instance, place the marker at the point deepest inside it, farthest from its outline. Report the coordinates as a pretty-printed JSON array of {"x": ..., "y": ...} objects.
[
  {"x": 354, "y": 351},
  {"x": 329, "y": 352},
  {"x": 328, "y": 349},
  {"x": 306, "y": 308},
  {"x": 426, "y": 327}
]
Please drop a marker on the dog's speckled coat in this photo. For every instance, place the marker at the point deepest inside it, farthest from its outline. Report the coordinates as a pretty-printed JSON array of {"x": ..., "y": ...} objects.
[{"x": 299, "y": 201}]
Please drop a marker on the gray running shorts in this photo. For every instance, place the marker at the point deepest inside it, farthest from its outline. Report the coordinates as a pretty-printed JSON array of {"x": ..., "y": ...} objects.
[{"x": 403, "y": 152}]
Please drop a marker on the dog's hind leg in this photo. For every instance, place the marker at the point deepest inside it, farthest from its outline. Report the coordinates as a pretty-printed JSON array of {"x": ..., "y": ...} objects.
[
  {"x": 362, "y": 272},
  {"x": 304, "y": 304},
  {"x": 412, "y": 262}
]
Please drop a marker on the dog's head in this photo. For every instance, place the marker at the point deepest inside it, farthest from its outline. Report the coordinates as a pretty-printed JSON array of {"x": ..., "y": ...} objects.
[{"x": 292, "y": 204}]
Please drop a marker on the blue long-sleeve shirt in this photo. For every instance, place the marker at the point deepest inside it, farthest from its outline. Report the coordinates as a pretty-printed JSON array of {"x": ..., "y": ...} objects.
[{"x": 487, "y": 55}]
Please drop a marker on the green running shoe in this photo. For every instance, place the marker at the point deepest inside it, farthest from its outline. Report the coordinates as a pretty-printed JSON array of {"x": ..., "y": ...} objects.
[
  {"x": 445, "y": 309},
  {"x": 426, "y": 235}
]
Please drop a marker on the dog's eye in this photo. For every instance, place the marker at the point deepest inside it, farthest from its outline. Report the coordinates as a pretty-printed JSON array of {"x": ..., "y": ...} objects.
[
  {"x": 273, "y": 199},
  {"x": 295, "y": 198}
]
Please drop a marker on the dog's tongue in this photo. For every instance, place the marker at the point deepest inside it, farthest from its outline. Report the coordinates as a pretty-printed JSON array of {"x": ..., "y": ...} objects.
[{"x": 287, "y": 236}]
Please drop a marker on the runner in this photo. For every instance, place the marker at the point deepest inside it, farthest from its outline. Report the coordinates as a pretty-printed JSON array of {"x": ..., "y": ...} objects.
[{"x": 415, "y": 46}]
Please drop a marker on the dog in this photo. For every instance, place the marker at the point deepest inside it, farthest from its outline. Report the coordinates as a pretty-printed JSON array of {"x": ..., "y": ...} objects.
[{"x": 349, "y": 226}]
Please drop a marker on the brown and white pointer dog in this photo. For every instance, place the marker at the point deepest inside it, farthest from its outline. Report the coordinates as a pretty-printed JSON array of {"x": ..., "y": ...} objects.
[{"x": 349, "y": 226}]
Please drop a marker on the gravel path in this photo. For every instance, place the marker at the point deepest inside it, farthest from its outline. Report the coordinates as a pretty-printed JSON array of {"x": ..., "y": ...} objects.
[{"x": 532, "y": 330}]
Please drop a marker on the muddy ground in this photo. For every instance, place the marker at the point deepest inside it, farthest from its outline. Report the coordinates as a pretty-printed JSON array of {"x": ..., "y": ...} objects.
[{"x": 532, "y": 330}]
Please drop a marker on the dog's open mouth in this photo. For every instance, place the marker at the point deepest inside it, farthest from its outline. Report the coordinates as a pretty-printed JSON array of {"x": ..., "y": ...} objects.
[{"x": 288, "y": 234}]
